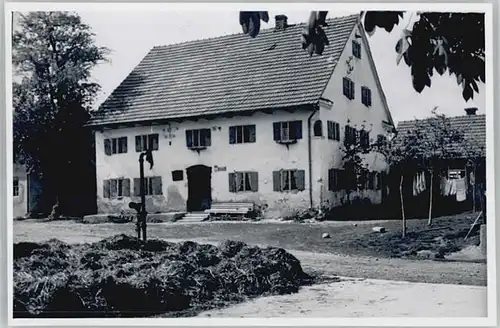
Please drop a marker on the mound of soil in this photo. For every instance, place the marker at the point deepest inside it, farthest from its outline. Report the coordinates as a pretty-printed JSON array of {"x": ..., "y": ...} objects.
[{"x": 119, "y": 277}]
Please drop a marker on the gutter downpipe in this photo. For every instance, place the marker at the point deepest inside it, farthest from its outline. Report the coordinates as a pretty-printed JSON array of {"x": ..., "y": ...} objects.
[{"x": 309, "y": 150}]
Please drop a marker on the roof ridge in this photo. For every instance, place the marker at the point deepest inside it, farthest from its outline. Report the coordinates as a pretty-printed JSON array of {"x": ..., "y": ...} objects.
[
  {"x": 430, "y": 118},
  {"x": 266, "y": 30}
]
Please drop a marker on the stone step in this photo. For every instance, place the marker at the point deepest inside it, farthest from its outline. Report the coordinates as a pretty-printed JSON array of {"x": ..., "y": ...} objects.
[{"x": 195, "y": 217}]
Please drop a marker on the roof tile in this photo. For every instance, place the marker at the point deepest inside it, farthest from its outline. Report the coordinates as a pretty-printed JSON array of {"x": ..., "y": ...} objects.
[{"x": 226, "y": 74}]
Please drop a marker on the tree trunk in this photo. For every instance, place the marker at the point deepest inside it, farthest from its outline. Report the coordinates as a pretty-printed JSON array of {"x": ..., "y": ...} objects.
[
  {"x": 474, "y": 195},
  {"x": 402, "y": 204},
  {"x": 429, "y": 222}
]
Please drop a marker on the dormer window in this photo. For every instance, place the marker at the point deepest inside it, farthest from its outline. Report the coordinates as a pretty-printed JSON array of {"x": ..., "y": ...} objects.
[
  {"x": 198, "y": 139},
  {"x": 287, "y": 132}
]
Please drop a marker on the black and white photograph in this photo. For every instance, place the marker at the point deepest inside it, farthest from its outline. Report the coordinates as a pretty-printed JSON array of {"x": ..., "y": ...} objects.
[{"x": 188, "y": 163}]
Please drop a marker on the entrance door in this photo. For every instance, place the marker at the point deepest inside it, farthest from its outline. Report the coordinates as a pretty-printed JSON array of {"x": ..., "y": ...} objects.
[{"x": 199, "y": 188}]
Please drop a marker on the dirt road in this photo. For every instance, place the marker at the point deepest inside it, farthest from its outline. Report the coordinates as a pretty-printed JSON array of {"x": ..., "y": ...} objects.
[
  {"x": 325, "y": 263},
  {"x": 366, "y": 298}
]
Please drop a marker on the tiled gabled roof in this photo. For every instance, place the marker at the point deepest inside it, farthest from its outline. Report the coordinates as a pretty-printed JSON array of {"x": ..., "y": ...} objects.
[
  {"x": 226, "y": 74},
  {"x": 473, "y": 127}
]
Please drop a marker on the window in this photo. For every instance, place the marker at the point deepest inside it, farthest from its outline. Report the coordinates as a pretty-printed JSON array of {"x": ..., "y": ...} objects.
[
  {"x": 243, "y": 181},
  {"x": 371, "y": 180},
  {"x": 356, "y": 49},
  {"x": 318, "y": 128},
  {"x": 350, "y": 178},
  {"x": 350, "y": 135},
  {"x": 381, "y": 139},
  {"x": 366, "y": 96},
  {"x": 177, "y": 175},
  {"x": 152, "y": 186},
  {"x": 287, "y": 131},
  {"x": 364, "y": 180},
  {"x": 115, "y": 146},
  {"x": 241, "y": 134},
  {"x": 334, "y": 179},
  {"x": 364, "y": 138},
  {"x": 16, "y": 187},
  {"x": 196, "y": 139},
  {"x": 378, "y": 181},
  {"x": 348, "y": 87},
  {"x": 114, "y": 188},
  {"x": 288, "y": 180},
  {"x": 145, "y": 142},
  {"x": 333, "y": 130}
]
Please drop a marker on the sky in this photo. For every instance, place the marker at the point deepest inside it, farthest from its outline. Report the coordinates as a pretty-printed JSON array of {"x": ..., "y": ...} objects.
[{"x": 131, "y": 34}]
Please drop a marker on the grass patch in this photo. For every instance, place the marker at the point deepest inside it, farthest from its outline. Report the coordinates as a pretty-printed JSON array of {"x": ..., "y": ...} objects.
[
  {"x": 444, "y": 237},
  {"x": 117, "y": 277}
]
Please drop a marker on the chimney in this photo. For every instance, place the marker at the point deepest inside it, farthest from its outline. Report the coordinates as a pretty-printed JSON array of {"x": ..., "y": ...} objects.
[
  {"x": 281, "y": 22},
  {"x": 471, "y": 111}
]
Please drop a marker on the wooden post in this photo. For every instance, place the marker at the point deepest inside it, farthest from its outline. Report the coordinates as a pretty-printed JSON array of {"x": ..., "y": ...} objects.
[
  {"x": 429, "y": 222},
  {"x": 142, "y": 214},
  {"x": 402, "y": 203}
]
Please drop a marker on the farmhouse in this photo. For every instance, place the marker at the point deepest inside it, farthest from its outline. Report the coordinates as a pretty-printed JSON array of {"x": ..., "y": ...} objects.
[
  {"x": 241, "y": 119},
  {"x": 460, "y": 182}
]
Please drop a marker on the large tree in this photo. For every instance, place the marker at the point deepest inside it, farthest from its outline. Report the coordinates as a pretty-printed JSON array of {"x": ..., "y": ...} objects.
[
  {"x": 438, "y": 42},
  {"x": 53, "y": 55}
]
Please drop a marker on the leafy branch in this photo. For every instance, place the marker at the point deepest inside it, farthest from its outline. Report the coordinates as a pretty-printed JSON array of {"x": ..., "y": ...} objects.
[{"x": 433, "y": 44}]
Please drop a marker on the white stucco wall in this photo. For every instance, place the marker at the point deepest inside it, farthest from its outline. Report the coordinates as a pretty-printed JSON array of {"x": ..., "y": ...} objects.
[
  {"x": 20, "y": 202},
  {"x": 263, "y": 156},
  {"x": 353, "y": 112}
]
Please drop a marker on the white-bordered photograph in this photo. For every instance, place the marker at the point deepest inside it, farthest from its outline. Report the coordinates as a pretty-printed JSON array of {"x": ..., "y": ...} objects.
[{"x": 245, "y": 164}]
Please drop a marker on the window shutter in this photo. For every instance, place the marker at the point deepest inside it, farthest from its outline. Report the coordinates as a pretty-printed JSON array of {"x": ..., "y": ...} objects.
[
  {"x": 347, "y": 138},
  {"x": 189, "y": 138},
  {"x": 232, "y": 134},
  {"x": 254, "y": 181},
  {"x": 330, "y": 180},
  {"x": 298, "y": 129},
  {"x": 138, "y": 144},
  {"x": 114, "y": 188},
  {"x": 337, "y": 131},
  {"x": 300, "y": 179},
  {"x": 137, "y": 187},
  {"x": 345, "y": 87},
  {"x": 124, "y": 143},
  {"x": 157, "y": 186},
  {"x": 208, "y": 139},
  {"x": 318, "y": 128},
  {"x": 252, "y": 133},
  {"x": 126, "y": 187},
  {"x": 232, "y": 182},
  {"x": 107, "y": 147},
  {"x": 153, "y": 141},
  {"x": 276, "y": 181},
  {"x": 106, "y": 189},
  {"x": 353, "y": 91},
  {"x": 277, "y": 131}
]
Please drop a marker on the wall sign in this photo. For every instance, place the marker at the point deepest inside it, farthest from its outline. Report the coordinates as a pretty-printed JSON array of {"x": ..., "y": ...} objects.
[{"x": 220, "y": 168}]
